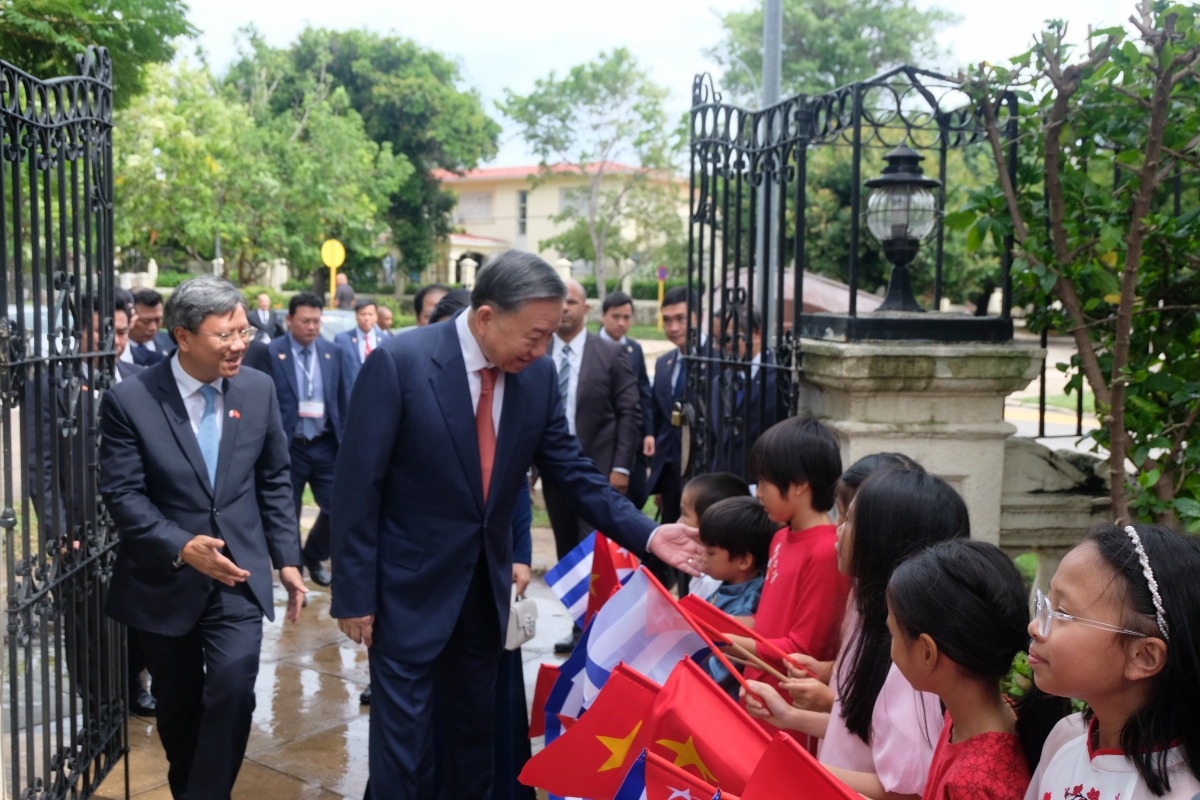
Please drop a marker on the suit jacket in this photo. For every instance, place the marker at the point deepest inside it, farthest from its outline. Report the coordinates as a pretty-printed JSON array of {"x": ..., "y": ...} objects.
[
  {"x": 348, "y": 342},
  {"x": 271, "y": 327},
  {"x": 753, "y": 410},
  {"x": 668, "y": 438},
  {"x": 409, "y": 519},
  {"x": 128, "y": 370},
  {"x": 608, "y": 413},
  {"x": 257, "y": 357},
  {"x": 283, "y": 369},
  {"x": 637, "y": 360},
  {"x": 155, "y": 483},
  {"x": 164, "y": 345}
]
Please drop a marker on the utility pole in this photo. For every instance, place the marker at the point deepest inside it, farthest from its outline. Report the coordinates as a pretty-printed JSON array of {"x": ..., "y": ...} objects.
[{"x": 768, "y": 229}]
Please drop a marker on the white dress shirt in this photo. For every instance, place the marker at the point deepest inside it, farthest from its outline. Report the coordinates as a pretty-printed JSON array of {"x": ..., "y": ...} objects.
[
  {"x": 475, "y": 360},
  {"x": 363, "y": 338},
  {"x": 127, "y": 355},
  {"x": 264, "y": 316},
  {"x": 193, "y": 401},
  {"x": 604, "y": 335},
  {"x": 575, "y": 359}
]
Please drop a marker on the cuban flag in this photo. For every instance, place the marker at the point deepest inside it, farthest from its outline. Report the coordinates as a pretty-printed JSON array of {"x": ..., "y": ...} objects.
[
  {"x": 641, "y": 627},
  {"x": 571, "y": 577},
  {"x": 565, "y": 702}
]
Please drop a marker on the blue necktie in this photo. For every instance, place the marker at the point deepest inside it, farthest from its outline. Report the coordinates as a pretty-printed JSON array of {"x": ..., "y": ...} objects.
[
  {"x": 564, "y": 375},
  {"x": 681, "y": 381},
  {"x": 141, "y": 354},
  {"x": 206, "y": 435},
  {"x": 308, "y": 425}
]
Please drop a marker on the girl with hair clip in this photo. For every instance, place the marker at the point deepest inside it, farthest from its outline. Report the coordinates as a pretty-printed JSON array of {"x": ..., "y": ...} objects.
[
  {"x": 880, "y": 734},
  {"x": 958, "y": 613},
  {"x": 1119, "y": 631}
]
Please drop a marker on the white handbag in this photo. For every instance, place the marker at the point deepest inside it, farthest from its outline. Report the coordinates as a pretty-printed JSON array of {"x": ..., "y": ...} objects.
[{"x": 522, "y": 621}]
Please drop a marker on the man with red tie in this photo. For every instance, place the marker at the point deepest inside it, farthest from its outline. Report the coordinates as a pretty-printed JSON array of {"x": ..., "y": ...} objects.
[
  {"x": 358, "y": 342},
  {"x": 422, "y": 513}
]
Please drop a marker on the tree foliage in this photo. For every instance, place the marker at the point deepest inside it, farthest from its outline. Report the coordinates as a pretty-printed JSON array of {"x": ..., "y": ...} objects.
[
  {"x": 829, "y": 43},
  {"x": 43, "y": 37},
  {"x": 1100, "y": 245}
]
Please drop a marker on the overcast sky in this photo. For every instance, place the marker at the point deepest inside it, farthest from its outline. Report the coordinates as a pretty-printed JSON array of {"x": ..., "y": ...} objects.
[{"x": 510, "y": 44}]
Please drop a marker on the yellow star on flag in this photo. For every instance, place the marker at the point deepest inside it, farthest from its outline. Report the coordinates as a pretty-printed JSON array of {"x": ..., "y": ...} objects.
[
  {"x": 686, "y": 756},
  {"x": 592, "y": 584},
  {"x": 618, "y": 747}
]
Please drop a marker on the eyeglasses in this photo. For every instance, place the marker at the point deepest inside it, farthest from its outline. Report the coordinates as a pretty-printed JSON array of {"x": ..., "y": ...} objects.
[
  {"x": 1043, "y": 614},
  {"x": 246, "y": 334}
]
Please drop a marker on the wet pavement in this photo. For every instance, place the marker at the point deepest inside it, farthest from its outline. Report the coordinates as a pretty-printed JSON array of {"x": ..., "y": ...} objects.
[{"x": 309, "y": 735}]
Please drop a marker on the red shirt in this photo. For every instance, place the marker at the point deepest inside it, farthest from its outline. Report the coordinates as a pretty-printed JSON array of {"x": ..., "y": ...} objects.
[
  {"x": 803, "y": 598},
  {"x": 990, "y": 766}
]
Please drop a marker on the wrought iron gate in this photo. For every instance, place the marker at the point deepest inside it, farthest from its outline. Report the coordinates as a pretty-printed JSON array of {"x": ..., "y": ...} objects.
[{"x": 65, "y": 684}]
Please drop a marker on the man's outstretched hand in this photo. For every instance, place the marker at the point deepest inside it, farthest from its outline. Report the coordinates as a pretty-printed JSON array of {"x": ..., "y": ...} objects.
[
  {"x": 358, "y": 628},
  {"x": 679, "y": 546}
]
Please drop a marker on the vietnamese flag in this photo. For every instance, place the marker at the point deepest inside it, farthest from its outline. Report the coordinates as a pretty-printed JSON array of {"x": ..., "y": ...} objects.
[
  {"x": 605, "y": 582},
  {"x": 716, "y": 619},
  {"x": 592, "y": 756},
  {"x": 787, "y": 765},
  {"x": 699, "y": 728},
  {"x": 547, "y": 675}
]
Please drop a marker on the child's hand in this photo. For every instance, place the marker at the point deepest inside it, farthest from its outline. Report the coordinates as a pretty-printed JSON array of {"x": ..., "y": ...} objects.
[
  {"x": 823, "y": 670},
  {"x": 774, "y": 704},
  {"x": 809, "y": 694}
]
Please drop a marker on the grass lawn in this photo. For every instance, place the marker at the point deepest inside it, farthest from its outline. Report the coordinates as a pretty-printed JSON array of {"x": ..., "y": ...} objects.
[
  {"x": 542, "y": 520},
  {"x": 635, "y": 332},
  {"x": 1067, "y": 401}
]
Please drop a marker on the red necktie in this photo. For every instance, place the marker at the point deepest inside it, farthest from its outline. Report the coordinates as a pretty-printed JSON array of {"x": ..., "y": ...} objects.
[
  {"x": 485, "y": 428},
  {"x": 367, "y": 342}
]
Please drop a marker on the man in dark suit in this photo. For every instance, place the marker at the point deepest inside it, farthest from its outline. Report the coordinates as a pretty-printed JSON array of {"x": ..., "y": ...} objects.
[
  {"x": 615, "y": 320},
  {"x": 312, "y": 402},
  {"x": 422, "y": 514},
  {"x": 360, "y": 341},
  {"x": 263, "y": 318},
  {"x": 148, "y": 343},
  {"x": 744, "y": 401},
  {"x": 257, "y": 356},
  {"x": 196, "y": 479}
]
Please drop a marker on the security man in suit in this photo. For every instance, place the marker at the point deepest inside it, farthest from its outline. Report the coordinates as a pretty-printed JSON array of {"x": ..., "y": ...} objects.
[
  {"x": 745, "y": 400},
  {"x": 313, "y": 396},
  {"x": 196, "y": 479},
  {"x": 148, "y": 343},
  {"x": 615, "y": 321},
  {"x": 263, "y": 318},
  {"x": 360, "y": 341}
]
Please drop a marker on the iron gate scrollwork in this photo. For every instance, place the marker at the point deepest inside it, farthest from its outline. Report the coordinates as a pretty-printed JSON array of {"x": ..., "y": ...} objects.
[{"x": 65, "y": 684}]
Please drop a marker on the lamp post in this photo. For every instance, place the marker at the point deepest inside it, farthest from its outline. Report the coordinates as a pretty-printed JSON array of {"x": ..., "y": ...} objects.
[
  {"x": 901, "y": 211},
  {"x": 563, "y": 268}
]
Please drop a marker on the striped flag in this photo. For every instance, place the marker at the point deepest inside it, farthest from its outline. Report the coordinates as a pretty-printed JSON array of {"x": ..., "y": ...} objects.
[{"x": 571, "y": 577}]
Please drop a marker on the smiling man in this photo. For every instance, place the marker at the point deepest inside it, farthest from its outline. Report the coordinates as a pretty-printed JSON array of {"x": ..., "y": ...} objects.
[{"x": 422, "y": 516}]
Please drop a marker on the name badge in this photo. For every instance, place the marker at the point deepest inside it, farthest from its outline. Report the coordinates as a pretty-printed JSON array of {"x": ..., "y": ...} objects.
[{"x": 312, "y": 408}]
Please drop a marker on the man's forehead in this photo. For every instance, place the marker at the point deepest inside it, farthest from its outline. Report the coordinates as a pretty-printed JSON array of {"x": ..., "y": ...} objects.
[{"x": 155, "y": 307}]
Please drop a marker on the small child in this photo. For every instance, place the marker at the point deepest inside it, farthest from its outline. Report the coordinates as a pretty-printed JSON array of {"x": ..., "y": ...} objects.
[
  {"x": 736, "y": 534},
  {"x": 701, "y": 492},
  {"x": 958, "y": 613},
  {"x": 1120, "y": 631}
]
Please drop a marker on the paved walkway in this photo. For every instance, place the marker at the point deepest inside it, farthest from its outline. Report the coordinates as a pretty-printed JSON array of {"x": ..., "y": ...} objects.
[{"x": 309, "y": 736}]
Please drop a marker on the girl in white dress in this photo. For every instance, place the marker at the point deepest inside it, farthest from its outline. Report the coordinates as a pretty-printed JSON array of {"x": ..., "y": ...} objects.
[{"x": 1120, "y": 630}]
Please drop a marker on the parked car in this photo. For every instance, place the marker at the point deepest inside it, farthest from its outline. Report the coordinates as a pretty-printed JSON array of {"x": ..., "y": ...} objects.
[{"x": 334, "y": 321}]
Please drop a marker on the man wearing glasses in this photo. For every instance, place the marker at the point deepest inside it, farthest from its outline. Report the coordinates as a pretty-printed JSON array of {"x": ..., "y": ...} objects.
[{"x": 196, "y": 478}]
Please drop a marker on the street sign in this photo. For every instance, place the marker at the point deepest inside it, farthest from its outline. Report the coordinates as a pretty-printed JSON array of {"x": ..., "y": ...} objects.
[
  {"x": 662, "y": 273},
  {"x": 333, "y": 254}
]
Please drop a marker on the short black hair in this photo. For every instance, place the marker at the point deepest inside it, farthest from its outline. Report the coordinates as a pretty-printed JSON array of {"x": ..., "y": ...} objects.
[
  {"x": 123, "y": 299},
  {"x": 147, "y": 297},
  {"x": 450, "y": 305},
  {"x": 680, "y": 294},
  {"x": 305, "y": 299},
  {"x": 713, "y": 487},
  {"x": 739, "y": 525},
  {"x": 615, "y": 300},
  {"x": 799, "y": 450},
  {"x": 423, "y": 292},
  {"x": 361, "y": 304}
]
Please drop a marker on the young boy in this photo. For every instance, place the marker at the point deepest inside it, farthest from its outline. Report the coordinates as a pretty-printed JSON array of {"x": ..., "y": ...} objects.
[
  {"x": 736, "y": 534},
  {"x": 797, "y": 463},
  {"x": 699, "y": 494}
]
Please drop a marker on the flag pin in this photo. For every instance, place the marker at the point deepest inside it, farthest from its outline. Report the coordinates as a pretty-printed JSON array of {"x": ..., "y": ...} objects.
[
  {"x": 327, "y": 355},
  {"x": 282, "y": 356},
  {"x": 234, "y": 414}
]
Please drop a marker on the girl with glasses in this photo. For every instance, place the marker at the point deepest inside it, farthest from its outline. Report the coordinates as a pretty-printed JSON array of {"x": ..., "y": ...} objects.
[{"x": 1120, "y": 630}]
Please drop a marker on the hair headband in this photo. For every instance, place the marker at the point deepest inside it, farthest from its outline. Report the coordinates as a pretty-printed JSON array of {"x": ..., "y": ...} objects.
[{"x": 1159, "y": 613}]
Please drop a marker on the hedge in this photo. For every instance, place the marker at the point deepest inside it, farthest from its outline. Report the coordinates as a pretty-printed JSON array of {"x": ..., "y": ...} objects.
[
  {"x": 642, "y": 290},
  {"x": 169, "y": 280}
]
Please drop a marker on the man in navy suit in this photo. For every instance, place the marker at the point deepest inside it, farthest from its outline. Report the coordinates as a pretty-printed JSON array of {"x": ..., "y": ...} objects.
[
  {"x": 196, "y": 479},
  {"x": 422, "y": 513},
  {"x": 615, "y": 321},
  {"x": 360, "y": 341},
  {"x": 312, "y": 403},
  {"x": 148, "y": 343},
  {"x": 745, "y": 400},
  {"x": 670, "y": 378}
]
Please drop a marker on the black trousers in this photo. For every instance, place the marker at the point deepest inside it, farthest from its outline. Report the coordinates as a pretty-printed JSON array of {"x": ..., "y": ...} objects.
[
  {"x": 203, "y": 685},
  {"x": 402, "y": 708},
  {"x": 312, "y": 464},
  {"x": 569, "y": 530},
  {"x": 670, "y": 486},
  {"x": 638, "y": 491}
]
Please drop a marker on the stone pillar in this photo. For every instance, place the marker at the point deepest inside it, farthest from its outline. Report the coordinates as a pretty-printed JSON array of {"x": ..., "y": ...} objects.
[{"x": 941, "y": 404}]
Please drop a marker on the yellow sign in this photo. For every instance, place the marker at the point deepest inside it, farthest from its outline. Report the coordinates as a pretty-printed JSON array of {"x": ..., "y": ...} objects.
[{"x": 333, "y": 254}]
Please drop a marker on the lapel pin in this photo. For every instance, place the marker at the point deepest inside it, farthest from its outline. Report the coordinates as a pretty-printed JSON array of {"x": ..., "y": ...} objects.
[
  {"x": 234, "y": 414},
  {"x": 327, "y": 355},
  {"x": 283, "y": 356}
]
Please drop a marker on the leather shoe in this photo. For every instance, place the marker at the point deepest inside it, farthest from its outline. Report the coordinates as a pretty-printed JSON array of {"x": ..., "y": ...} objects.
[
  {"x": 567, "y": 645},
  {"x": 320, "y": 576},
  {"x": 141, "y": 702},
  {"x": 365, "y": 697}
]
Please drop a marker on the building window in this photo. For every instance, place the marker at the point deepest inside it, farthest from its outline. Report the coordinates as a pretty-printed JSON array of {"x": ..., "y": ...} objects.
[
  {"x": 574, "y": 200},
  {"x": 522, "y": 205},
  {"x": 473, "y": 206}
]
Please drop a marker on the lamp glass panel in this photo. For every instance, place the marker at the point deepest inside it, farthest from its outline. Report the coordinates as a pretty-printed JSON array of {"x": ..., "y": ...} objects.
[{"x": 901, "y": 212}]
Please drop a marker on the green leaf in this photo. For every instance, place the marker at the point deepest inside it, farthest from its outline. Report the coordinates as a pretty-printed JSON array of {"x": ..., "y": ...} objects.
[
  {"x": 1187, "y": 507},
  {"x": 1148, "y": 479},
  {"x": 960, "y": 220},
  {"x": 1106, "y": 282}
]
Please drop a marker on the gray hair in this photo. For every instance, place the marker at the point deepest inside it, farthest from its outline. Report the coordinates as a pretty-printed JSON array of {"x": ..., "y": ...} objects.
[
  {"x": 512, "y": 278},
  {"x": 196, "y": 299}
]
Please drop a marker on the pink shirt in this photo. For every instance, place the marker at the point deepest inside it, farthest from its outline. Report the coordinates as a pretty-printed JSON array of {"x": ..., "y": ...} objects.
[{"x": 905, "y": 727}]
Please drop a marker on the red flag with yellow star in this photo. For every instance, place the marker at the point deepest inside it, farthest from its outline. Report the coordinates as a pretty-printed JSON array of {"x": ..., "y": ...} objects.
[
  {"x": 696, "y": 726},
  {"x": 786, "y": 765},
  {"x": 590, "y": 758},
  {"x": 605, "y": 581}
]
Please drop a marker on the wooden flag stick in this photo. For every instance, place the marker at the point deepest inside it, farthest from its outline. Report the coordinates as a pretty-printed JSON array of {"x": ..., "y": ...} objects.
[{"x": 758, "y": 662}]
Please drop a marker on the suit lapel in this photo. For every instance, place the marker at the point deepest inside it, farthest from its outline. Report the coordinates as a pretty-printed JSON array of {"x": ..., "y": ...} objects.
[
  {"x": 181, "y": 426},
  {"x": 453, "y": 394},
  {"x": 285, "y": 363},
  {"x": 229, "y": 430}
]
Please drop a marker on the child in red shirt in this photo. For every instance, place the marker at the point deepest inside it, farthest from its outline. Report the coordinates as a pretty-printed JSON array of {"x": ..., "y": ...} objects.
[{"x": 797, "y": 464}]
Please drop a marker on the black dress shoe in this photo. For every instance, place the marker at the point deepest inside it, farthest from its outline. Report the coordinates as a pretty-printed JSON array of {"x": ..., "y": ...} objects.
[
  {"x": 365, "y": 697},
  {"x": 141, "y": 702},
  {"x": 320, "y": 576},
  {"x": 567, "y": 645}
]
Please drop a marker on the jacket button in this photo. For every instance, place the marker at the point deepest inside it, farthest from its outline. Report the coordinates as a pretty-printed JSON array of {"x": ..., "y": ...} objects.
[{"x": 216, "y": 513}]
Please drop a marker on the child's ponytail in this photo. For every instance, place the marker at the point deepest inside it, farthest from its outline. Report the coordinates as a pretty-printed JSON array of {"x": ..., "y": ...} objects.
[{"x": 970, "y": 599}]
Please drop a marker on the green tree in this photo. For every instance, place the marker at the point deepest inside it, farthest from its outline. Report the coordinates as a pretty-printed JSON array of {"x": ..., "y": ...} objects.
[
  {"x": 603, "y": 121},
  {"x": 1108, "y": 259},
  {"x": 43, "y": 37},
  {"x": 829, "y": 43}
]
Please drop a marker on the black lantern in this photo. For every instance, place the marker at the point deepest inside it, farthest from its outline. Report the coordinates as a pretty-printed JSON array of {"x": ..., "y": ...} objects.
[{"x": 901, "y": 211}]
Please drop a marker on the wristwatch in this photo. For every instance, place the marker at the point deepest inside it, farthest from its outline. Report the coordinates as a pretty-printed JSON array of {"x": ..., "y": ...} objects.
[{"x": 178, "y": 562}]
